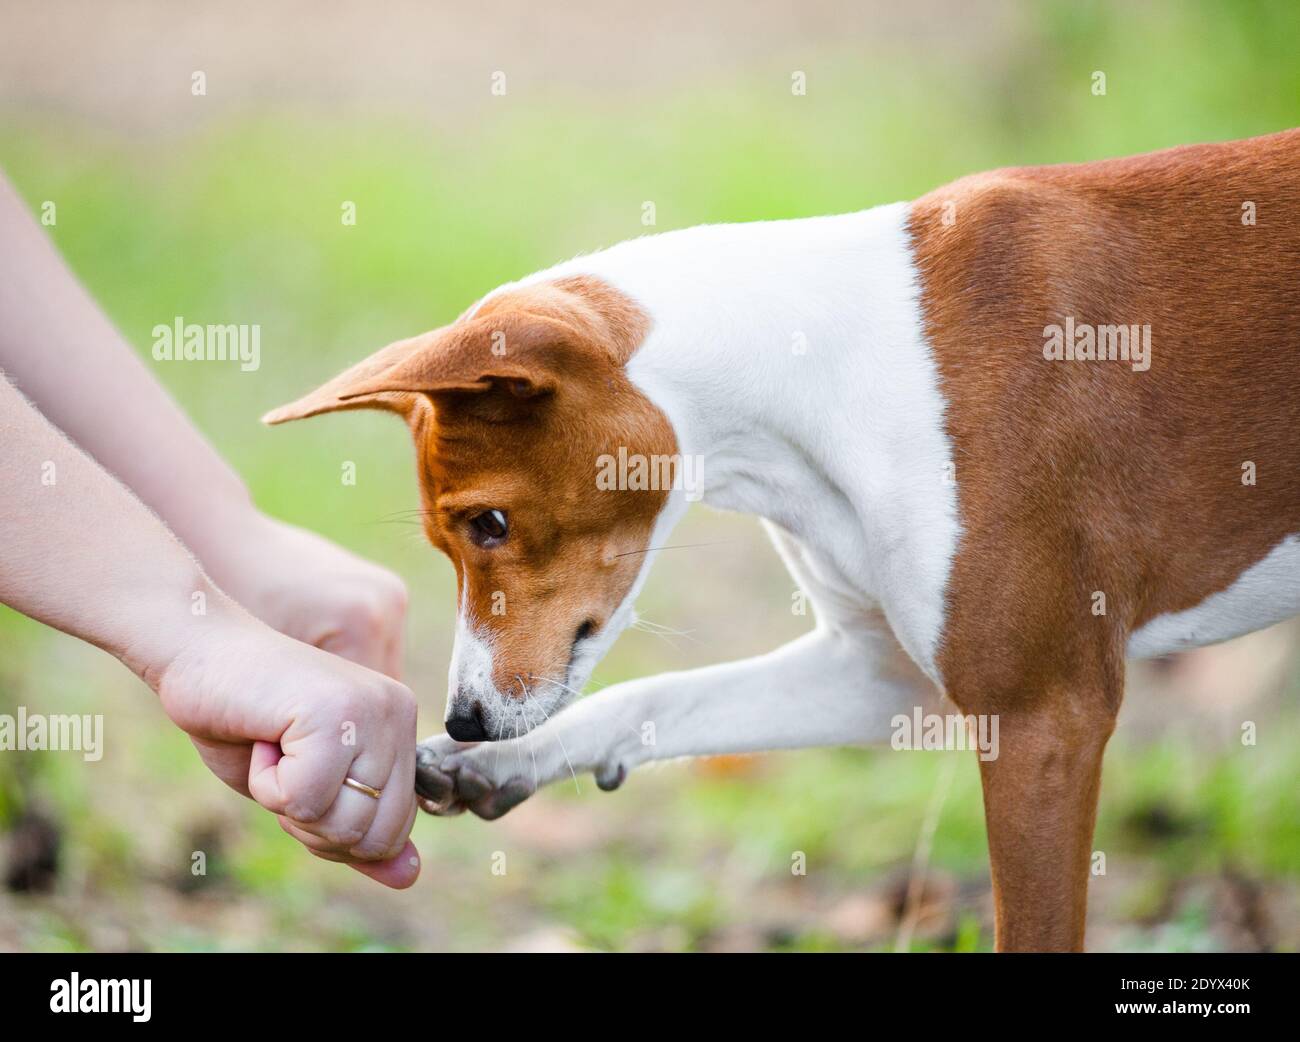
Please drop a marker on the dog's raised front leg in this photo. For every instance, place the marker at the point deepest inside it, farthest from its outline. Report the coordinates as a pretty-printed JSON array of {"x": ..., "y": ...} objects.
[{"x": 826, "y": 688}]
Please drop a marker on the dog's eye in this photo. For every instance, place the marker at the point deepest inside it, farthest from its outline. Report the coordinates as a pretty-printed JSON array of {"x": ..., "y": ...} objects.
[{"x": 489, "y": 528}]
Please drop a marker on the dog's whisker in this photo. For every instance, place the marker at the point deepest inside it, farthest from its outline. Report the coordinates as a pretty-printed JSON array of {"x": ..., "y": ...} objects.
[
  {"x": 540, "y": 708},
  {"x": 574, "y": 774},
  {"x": 518, "y": 759},
  {"x": 556, "y": 732},
  {"x": 496, "y": 764},
  {"x": 665, "y": 633},
  {"x": 398, "y": 517},
  {"x": 574, "y": 691},
  {"x": 678, "y": 546},
  {"x": 548, "y": 680},
  {"x": 532, "y": 746},
  {"x": 659, "y": 627},
  {"x": 567, "y": 688}
]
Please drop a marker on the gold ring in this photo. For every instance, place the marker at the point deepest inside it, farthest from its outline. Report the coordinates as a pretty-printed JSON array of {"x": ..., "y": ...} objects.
[{"x": 369, "y": 790}]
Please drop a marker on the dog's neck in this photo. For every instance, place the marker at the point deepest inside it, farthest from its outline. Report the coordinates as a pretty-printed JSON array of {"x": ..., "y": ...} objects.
[{"x": 790, "y": 359}]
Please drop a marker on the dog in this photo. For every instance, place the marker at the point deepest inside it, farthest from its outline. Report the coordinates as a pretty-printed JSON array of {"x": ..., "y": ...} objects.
[{"x": 1004, "y": 436}]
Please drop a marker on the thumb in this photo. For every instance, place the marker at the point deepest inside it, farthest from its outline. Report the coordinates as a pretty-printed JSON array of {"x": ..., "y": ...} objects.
[
  {"x": 264, "y": 776},
  {"x": 299, "y": 777},
  {"x": 227, "y": 760}
]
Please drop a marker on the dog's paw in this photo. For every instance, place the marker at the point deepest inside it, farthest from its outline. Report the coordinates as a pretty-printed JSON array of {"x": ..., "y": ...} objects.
[
  {"x": 436, "y": 788},
  {"x": 451, "y": 777},
  {"x": 610, "y": 776}
]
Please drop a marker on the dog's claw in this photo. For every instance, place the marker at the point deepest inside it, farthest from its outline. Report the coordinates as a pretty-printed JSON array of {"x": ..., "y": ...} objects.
[
  {"x": 610, "y": 778},
  {"x": 440, "y": 810}
]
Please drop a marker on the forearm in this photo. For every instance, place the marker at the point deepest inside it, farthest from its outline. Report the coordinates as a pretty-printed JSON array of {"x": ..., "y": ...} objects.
[
  {"x": 80, "y": 553},
  {"x": 62, "y": 352}
]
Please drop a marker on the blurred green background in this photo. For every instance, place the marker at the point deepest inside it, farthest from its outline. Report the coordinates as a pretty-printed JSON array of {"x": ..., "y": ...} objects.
[{"x": 226, "y": 208}]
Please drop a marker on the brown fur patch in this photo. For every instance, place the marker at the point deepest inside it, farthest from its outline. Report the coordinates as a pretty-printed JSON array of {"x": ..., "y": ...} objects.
[
  {"x": 1082, "y": 476},
  {"x": 511, "y": 407},
  {"x": 573, "y": 550},
  {"x": 1079, "y": 476}
]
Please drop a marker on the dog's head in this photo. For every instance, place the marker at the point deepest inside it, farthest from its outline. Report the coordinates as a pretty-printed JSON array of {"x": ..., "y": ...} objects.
[{"x": 516, "y": 409}]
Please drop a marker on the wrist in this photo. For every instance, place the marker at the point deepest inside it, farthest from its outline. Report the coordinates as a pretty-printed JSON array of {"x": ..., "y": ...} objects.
[{"x": 180, "y": 614}]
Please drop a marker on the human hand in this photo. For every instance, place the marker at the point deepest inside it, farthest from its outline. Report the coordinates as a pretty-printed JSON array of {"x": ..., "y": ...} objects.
[
  {"x": 310, "y": 589},
  {"x": 284, "y": 724}
]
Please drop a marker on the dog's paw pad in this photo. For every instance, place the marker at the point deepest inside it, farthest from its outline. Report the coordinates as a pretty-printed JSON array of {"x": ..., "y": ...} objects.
[
  {"x": 504, "y": 799},
  {"x": 470, "y": 785}
]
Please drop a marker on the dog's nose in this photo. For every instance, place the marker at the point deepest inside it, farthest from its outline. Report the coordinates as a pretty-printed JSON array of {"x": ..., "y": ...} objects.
[{"x": 467, "y": 727}]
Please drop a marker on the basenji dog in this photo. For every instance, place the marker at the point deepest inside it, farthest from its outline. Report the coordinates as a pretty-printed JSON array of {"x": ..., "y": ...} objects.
[{"x": 1005, "y": 436}]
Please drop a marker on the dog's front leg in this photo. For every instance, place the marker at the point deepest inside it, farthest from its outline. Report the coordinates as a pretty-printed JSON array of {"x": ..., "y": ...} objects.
[
  {"x": 826, "y": 688},
  {"x": 1040, "y": 803}
]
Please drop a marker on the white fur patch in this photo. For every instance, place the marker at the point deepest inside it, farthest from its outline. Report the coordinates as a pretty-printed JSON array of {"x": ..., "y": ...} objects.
[
  {"x": 791, "y": 357},
  {"x": 470, "y": 675},
  {"x": 1266, "y": 592}
]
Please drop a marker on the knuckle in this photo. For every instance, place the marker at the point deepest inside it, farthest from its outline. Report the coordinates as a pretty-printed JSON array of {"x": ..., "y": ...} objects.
[
  {"x": 364, "y": 618},
  {"x": 376, "y": 612},
  {"x": 396, "y": 704},
  {"x": 357, "y": 707},
  {"x": 344, "y": 702},
  {"x": 406, "y": 709},
  {"x": 306, "y": 808}
]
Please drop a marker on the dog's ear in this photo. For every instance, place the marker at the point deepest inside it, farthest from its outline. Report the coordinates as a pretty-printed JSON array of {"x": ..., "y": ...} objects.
[
  {"x": 516, "y": 353},
  {"x": 335, "y": 395}
]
